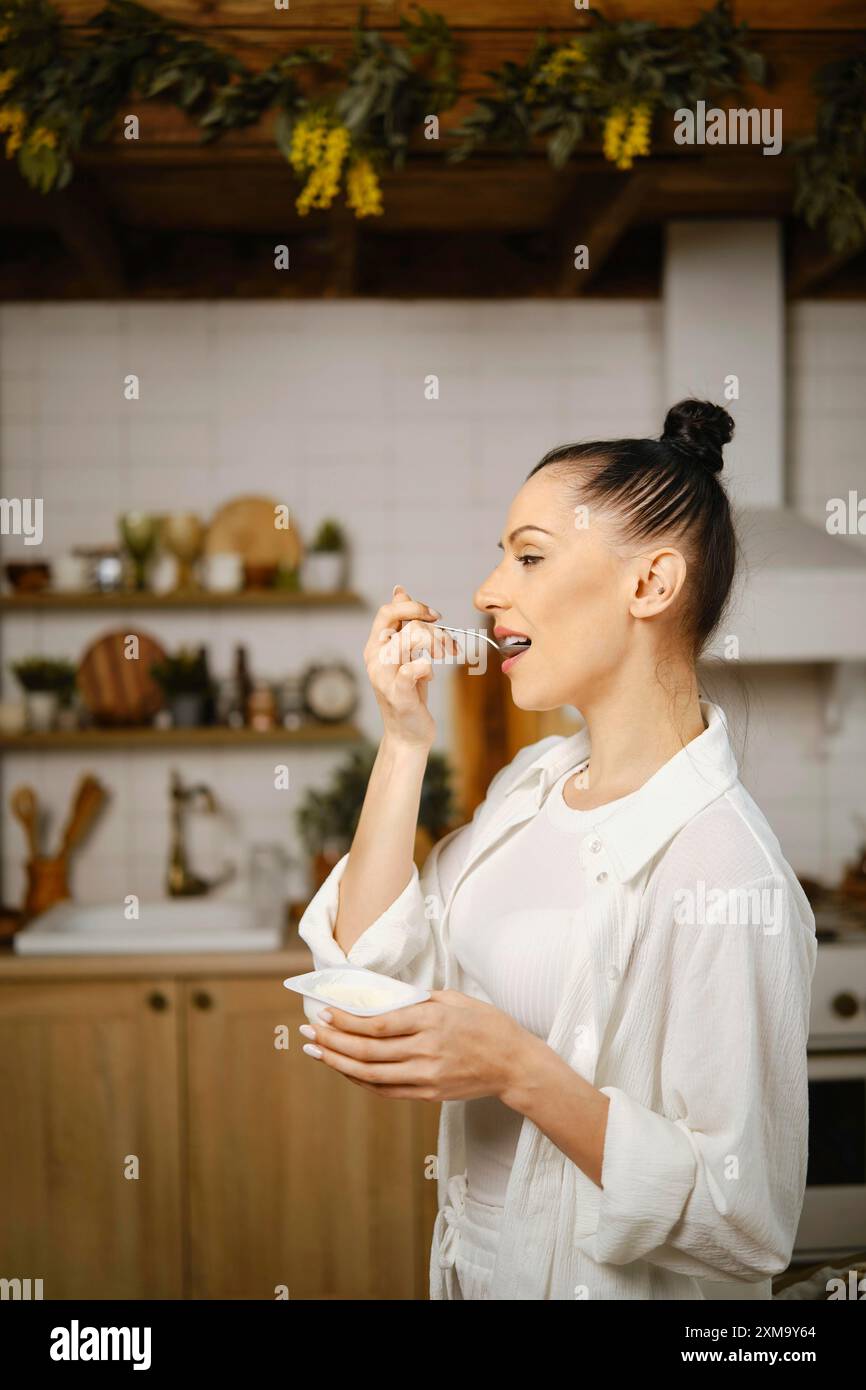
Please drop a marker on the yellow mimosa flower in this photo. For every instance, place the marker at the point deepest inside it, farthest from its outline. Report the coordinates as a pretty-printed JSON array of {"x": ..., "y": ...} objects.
[
  {"x": 615, "y": 126},
  {"x": 363, "y": 190}
]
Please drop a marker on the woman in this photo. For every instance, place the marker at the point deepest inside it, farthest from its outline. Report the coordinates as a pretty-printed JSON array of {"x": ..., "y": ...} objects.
[{"x": 619, "y": 955}]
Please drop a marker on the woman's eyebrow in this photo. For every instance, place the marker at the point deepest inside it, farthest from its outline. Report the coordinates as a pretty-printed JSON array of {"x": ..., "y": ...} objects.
[{"x": 526, "y": 527}]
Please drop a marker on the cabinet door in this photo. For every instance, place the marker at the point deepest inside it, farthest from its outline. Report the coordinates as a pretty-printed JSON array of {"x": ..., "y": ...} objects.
[
  {"x": 297, "y": 1177},
  {"x": 88, "y": 1082}
]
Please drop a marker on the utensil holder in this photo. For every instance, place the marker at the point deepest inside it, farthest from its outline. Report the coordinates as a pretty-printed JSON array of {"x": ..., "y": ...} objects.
[{"x": 47, "y": 883}]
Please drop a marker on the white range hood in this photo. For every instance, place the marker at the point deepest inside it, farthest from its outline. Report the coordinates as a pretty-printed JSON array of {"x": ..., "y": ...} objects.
[{"x": 801, "y": 592}]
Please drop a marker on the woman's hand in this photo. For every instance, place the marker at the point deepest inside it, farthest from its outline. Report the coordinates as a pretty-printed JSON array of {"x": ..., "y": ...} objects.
[
  {"x": 399, "y": 659},
  {"x": 450, "y": 1047}
]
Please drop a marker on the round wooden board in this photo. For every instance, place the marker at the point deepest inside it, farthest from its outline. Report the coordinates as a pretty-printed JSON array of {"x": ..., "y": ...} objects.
[
  {"x": 246, "y": 525},
  {"x": 117, "y": 689}
]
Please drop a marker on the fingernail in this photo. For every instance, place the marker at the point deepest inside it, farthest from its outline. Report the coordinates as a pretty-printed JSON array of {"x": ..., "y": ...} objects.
[
  {"x": 311, "y": 1050},
  {"x": 307, "y": 1031},
  {"x": 325, "y": 1015},
  {"x": 434, "y": 612},
  {"x": 395, "y": 588}
]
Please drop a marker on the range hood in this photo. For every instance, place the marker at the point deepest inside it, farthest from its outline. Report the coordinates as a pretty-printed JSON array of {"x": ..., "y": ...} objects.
[{"x": 801, "y": 592}]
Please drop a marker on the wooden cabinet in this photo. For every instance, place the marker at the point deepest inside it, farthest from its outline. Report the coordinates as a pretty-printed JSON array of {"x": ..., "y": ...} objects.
[
  {"x": 257, "y": 1166},
  {"x": 89, "y": 1082}
]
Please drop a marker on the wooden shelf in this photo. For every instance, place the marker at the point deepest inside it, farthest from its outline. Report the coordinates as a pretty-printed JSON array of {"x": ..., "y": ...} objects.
[
  {"x": 61, "y": 602},
  {"x": 214, "y": 737}
]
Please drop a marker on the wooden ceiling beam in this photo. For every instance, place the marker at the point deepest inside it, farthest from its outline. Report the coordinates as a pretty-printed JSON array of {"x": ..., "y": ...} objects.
[
  {"x": 598, "y": 226},
  {"x": 78, "y": 216},
  {"x": 86, "y": 231},
  {"x": 345, "y": 236},
  {"x": 490, "y": 14},
  {"x": 810, "y": 261}
]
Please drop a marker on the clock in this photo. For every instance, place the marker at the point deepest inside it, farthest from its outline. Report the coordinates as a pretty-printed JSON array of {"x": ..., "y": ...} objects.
[{"x": 330, "y": 691}]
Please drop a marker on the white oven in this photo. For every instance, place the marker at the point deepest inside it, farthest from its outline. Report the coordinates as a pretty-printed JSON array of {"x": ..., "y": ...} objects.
[{"x": 833, "y": 1220}]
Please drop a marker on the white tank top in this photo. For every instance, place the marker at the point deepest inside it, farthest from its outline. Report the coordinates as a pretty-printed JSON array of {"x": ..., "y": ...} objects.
[{"x": 517, "y": 931}]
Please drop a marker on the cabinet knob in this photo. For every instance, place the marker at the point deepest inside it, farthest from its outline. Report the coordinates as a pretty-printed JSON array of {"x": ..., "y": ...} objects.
[
  {"x": 157, "y": 1001},
  {"x": 845, "y": 1005},
  {"x": 202, "y": 1000}
]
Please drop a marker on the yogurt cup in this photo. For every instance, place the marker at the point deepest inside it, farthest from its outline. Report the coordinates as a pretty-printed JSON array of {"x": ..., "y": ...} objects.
[{"x": 361, "y": 992}]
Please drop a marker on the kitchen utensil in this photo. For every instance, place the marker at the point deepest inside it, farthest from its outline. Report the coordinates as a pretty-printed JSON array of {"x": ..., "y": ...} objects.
[
  {"x": 471, "y": 632},
  {"x": 47, "y": 884},
  {"x": 248, "y": 525},
  {"x": 116, "y": 688},
  {"x": 26, "y": 809},
  {"x": 88, "y": 800}
]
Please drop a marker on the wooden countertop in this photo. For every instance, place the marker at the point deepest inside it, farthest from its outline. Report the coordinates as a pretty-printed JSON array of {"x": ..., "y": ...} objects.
[{"x": 293, "y": 958}]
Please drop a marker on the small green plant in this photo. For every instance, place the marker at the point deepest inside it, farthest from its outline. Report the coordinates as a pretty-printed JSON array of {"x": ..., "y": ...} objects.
[
  {"x": 41, "y": 673},
  {"x": 330, "y": 537},
  {"x": 332, "y": 814},
  {"x": 186, "y": 673}
]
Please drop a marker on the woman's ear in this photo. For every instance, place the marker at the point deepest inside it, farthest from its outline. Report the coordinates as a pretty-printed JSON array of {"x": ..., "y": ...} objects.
[{"x": 657, "y": 583}]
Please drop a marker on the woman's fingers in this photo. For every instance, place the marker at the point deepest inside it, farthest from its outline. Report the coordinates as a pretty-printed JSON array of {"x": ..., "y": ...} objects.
[
  {"x": 415, "y": 640},
  {"x": 374, "y": 1073}
]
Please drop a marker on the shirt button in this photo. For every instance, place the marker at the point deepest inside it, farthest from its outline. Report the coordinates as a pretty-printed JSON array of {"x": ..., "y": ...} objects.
[
  {"x": 595, "y": 846},
  {"x": 579, "y": 1033},
  {"x": 601, "y": 878},
  {"x": 612, "y": 972}
]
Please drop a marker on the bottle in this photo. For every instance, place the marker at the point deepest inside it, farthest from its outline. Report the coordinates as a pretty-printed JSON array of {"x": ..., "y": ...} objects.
[
  {"x": 243, "y": 688},
  {"x": 209, "y": 701}
]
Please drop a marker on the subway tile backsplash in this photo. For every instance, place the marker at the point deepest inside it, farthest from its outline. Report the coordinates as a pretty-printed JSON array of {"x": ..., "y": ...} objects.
[{"x": 322, "y": 405}]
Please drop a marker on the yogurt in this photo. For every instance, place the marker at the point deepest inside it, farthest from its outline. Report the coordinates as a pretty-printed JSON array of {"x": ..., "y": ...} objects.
[{"x": 361, "y": 992}]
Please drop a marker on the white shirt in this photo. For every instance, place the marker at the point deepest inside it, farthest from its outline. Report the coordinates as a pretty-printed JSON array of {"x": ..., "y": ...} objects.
[
  {"x": 517, "y": 932},
  {"x": 693, "y": 1019}
]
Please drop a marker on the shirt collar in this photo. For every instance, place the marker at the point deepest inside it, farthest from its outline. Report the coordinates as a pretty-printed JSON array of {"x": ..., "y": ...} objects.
[{"x": 683, "y": 786}]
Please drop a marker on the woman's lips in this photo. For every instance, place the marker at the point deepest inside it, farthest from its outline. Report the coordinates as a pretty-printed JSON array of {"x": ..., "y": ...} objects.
[{"x": 509, "y": 661}]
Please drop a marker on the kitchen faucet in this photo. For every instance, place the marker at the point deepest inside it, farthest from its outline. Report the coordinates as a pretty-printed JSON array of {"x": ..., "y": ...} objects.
[{"x": 180, "y": 880}]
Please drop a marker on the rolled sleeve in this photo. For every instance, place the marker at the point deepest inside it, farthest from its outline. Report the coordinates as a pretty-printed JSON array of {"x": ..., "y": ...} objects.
[
  {"x": 648, "y": 1171},
  {"x": 403, "y": 942},
  {"x": 711, "y": 1183}
]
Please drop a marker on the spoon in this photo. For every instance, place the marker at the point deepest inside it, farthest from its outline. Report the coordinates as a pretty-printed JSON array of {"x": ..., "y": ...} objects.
[
  {"x": 25, "y": 808},
  {"x": 471, "y": 632}
]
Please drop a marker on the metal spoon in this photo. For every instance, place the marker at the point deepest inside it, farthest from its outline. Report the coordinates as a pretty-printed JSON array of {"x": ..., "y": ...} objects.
[{"x": 470, "y": 632}]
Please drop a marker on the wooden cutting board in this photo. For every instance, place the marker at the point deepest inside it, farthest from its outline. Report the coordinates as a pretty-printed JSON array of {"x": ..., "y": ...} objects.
[
  {"x": 246, "y": 525},
  {"x": 118, "y": 689}
]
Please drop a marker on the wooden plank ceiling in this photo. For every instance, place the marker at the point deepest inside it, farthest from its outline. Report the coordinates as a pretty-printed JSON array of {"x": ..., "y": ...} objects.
[{"x": 167, "y": 217}]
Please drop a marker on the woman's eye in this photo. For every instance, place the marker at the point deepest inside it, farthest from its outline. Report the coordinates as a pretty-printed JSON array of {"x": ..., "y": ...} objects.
[{"x": 529, "y": 559}]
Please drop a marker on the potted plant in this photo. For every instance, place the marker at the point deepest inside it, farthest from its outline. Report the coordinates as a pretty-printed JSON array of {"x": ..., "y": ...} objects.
[
  {"x": 186, "y": 684},
  {"x": 324, "y": 565},
  {"x": 327, "y": 818},
  {"x": 48, "y": 683}
]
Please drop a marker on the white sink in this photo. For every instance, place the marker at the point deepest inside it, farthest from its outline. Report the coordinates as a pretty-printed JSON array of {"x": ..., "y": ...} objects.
[{"x": 175, "y": 924}]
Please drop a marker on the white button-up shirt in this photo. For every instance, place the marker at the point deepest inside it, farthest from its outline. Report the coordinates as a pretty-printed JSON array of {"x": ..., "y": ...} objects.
[{"x": 693, "y": 1019}]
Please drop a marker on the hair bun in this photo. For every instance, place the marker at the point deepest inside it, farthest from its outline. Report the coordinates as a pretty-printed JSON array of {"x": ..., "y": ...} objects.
[{"x": 701, "y": 429}]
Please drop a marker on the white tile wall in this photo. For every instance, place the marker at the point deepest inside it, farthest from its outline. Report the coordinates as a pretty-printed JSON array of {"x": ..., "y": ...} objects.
[{"x": 322, "y": 406}]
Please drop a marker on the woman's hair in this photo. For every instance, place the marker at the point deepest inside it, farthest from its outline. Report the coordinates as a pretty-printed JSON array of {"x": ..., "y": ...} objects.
[{"x": 668, "y": 488}]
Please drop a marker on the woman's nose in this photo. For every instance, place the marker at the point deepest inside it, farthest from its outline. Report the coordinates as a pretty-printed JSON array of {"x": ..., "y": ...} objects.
[{"x": 488, "y": 596}]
